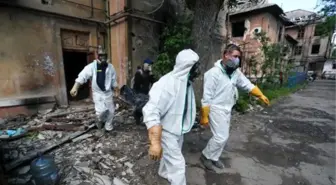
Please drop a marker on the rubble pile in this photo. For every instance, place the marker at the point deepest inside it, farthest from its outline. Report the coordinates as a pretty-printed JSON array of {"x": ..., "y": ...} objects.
[
  {"x": 92, "y": 158},
  {"x": 83, "y": 154}
]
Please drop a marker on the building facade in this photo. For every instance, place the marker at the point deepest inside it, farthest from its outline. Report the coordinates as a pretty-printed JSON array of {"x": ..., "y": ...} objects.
[
  {"x": 46, "y": 43},
  {"x": 246, "y": 22},
  {"x": 312, "y": 48}
]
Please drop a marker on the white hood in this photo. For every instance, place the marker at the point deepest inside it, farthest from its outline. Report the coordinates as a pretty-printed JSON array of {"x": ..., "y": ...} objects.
[
  {"x": 185, "y": 59},
  {"x": 218, "y": 64}
]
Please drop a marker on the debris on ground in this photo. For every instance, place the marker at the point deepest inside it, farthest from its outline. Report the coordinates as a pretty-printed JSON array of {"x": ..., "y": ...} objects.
[{"x": 84, "y": 155}]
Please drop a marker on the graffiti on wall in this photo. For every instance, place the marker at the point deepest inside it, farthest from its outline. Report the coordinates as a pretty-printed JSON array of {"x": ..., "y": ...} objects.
[{"x": 48, "y": 65}]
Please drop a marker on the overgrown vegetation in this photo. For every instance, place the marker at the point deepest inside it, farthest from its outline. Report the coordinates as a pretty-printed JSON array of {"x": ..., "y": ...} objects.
[
  {"x": 273, "y": 94},
  {"x": 175, "y": 37},
  {"x": 328, "y": 11},
  {"x": 268, "y": 72},
  {"x": 273, "y": 64}
]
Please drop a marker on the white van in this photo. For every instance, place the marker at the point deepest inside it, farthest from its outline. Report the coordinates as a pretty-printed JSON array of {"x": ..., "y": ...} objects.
[{"x": 329, "y": 69}]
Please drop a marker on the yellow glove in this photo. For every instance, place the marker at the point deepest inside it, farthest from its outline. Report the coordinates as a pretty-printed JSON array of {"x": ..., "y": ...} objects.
[
  {"x": 155, "y": 148},
  {"x": 74, "y": 89},
  {"x": 205, "y": 116},
  {"x": 257, "y": 93}
]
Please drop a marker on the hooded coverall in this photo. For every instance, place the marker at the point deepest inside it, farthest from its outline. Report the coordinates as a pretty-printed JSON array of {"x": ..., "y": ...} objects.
[
  {"x": 220, "y": 94},
  {"x": 166, "y": 106},
  {"x": 103, "y": 100}
]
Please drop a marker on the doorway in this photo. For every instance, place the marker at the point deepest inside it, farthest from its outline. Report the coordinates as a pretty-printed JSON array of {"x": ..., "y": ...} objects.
[{"x": 74, "y": 63}]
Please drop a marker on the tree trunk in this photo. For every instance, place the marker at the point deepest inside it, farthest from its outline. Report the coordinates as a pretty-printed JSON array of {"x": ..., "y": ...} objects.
[{"x": 208, "y": 36}]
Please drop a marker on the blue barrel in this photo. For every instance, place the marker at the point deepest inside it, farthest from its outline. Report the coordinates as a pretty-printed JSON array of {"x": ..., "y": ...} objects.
[{"x": 44, "y": 171}]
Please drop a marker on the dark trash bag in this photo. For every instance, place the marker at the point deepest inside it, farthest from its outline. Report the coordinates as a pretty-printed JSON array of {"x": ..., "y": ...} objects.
[{"x": 138, "y": 100}]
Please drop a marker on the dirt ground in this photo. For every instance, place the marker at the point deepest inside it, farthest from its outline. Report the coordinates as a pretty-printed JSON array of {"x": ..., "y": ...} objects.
[{"x": 291, "y": 142}]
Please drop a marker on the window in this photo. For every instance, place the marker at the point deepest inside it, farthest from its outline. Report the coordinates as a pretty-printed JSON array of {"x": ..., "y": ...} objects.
[
  {"x": 238, "y": 29},
  {"x": 301, "y": 33},
  {"x": 48, "y": 2},
  {"x": 315, "y": 49},
  {"x": 298, "y": 50},
  {"x": 334, "y": 66}
]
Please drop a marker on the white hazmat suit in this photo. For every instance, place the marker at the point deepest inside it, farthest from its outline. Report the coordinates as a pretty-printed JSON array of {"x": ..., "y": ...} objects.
[
  {"x": 103, "y": 100},
  {"x": 220, "y": 94},
  {"x": 165, "y": 107}
]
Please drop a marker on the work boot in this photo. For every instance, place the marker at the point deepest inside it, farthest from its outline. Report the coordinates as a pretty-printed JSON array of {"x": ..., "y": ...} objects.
[
  {"x": 218, "y": 164},
  {"x": 207, "y": 163},
  {"x": 99, "y": 123}
]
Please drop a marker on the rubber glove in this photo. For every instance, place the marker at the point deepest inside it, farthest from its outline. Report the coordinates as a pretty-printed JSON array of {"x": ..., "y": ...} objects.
[
  {"x": 257, "y": 93},
  {"x": 205, "y": 116},
  {"x": 74, "y": 89},
  {"x": 155, "y": 148}
]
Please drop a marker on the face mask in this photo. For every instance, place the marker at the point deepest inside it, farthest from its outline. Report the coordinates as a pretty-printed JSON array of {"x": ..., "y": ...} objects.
[
  {"x": 194, "y": 72},
  {"x": 233, "y": 63},
  {"x": 102, "y": 58},
  {"x": 147, "y": 67}
]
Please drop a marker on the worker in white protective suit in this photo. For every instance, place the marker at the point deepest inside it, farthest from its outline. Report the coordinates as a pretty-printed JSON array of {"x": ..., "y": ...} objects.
[
  {"x": 170, "y": 113},
  {"x": 103, "y": 83},
  {"x": 219, "y": 96}
]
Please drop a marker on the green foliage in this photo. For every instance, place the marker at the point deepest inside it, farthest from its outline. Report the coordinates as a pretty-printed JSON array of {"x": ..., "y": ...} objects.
[
  {"x": 273, "y": 61},
  {"x": 333, "y": 53},
  {"x": 174, "y": 38},
  {"x": 244, "y": 100},
  {"x": 328, "y": 10}
]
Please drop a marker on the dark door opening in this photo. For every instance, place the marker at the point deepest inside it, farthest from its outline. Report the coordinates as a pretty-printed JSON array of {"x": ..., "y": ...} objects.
[{"x": 74, "y": 63}]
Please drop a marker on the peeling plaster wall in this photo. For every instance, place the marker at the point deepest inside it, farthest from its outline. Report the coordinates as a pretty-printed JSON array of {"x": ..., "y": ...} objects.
[
  {"x": 31, "y": 54},
  {"x": 250, "y": 46},
  {"x": 307, "y": 43},
  {"x": 119, "y": 43},
  {"x": 144, "y": 34}
]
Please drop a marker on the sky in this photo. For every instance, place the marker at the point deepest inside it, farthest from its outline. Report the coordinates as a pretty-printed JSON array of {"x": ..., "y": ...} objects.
[{"x": 288, "y": 5}]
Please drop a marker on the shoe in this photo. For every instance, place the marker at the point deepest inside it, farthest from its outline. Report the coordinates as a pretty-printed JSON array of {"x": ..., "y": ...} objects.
[
  {"x": 218, "y": 164},
  {"x": 99, "y": 124},
  {"x": 207, "y": 163}
]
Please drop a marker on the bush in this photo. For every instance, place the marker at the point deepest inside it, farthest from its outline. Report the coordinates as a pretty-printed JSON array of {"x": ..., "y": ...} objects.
[{"x": 244, "y": 100}]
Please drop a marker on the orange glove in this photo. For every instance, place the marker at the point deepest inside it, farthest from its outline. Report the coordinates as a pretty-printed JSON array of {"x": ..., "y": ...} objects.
[
  {"x": 155, "y": 148},
  {"x": 257, "y": 93},
  {"x": 205, "y": 116}
]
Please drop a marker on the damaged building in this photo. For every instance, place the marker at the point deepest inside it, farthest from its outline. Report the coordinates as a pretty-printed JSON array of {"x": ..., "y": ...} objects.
[
  {"x": 46, "y": 43},
  {"x": 312, "y": 48},
  {"x": 246, "y": 22}
]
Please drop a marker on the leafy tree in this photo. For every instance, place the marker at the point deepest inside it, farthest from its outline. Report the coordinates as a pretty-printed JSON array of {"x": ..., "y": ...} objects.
[{"x": 328, "y": 11}]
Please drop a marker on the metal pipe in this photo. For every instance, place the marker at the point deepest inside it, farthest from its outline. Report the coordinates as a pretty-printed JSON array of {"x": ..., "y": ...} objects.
[
  {"x": 50, "y": 13},
  {"x": 126, "y": 14},
  {"x": 91, "y": 8}
]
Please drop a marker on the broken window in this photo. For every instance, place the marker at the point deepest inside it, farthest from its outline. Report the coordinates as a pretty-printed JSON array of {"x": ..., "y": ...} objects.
[
  {"x": 334, "y": 66},
  {"x": 298, "y": 50},
  {"x": 238, "y": 29},
  {"x": 315, "y": 49},
  {"x": 301, "y": 33}
]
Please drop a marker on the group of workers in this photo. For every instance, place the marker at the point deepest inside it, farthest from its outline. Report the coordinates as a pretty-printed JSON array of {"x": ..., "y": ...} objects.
[{"x": 171, "y": 110}]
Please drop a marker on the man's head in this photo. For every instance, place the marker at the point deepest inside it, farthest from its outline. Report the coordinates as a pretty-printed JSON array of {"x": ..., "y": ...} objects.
[
  {"x": 102, "y": 56},
  {"x": 148, "y": 65},
  {"x": 195, "y": 71},
  {"x": 231, "y": 57},
  {"x": 186, "y": 65}
]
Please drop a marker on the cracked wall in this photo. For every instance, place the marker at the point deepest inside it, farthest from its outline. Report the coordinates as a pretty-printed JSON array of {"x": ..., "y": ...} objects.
[{"x": 31, "y": 51}]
